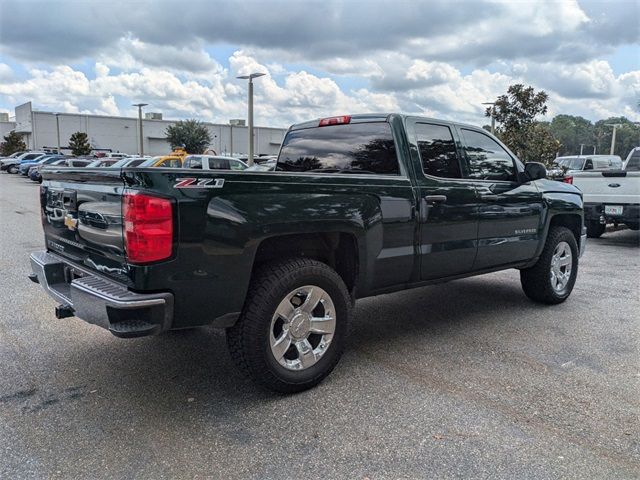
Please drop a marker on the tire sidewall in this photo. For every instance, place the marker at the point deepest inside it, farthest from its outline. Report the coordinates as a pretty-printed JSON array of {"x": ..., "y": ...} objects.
[{"x": 337, "y": 293}]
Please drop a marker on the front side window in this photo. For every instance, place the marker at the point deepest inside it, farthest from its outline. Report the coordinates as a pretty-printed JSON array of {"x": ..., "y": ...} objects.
[
  {"x": 487, "y": 159},
  {"x": 437, "y": 150},
  {"x": 236, "y": 165},
  {"x": 351, "y": 148}
]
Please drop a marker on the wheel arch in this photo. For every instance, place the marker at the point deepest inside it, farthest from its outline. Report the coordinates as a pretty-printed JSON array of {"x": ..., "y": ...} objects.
[{"x": 339, "y": 249}]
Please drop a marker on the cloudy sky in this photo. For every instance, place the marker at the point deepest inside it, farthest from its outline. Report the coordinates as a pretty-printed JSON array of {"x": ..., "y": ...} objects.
[{"x": 329, "y": 57}]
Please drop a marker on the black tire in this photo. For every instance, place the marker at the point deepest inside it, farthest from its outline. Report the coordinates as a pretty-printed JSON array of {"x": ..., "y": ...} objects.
[
  {"x": 249, "y": 339},
  {"x": 595, "y": 229},
  {"x": 12, "y": 169},
  {"x": 536, "y": 281}
]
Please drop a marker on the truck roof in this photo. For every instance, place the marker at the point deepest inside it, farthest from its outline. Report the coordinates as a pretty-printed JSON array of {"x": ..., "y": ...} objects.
[{"x": 378, "y": 117}]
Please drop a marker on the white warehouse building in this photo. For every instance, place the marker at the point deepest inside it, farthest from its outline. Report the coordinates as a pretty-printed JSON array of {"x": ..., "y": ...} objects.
[{"x": 121, "y": 134}]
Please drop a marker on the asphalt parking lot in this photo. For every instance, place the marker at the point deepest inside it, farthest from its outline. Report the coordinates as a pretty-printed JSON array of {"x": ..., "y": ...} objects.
[{"x": 466, "y": 379}]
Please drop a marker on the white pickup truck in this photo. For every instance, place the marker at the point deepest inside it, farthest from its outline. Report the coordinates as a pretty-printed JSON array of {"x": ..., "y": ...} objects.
[{"x": 611, "y": 196}]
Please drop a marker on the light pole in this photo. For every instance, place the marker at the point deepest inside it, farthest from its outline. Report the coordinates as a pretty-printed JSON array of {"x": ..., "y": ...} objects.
[
  {"x": 250, "y": 77},
  {"x": 58, "y": 130},
  {"x": 493, "y": 119},
  {"x": 141, "y": 145},
  {"x": 613, "y": 136}
]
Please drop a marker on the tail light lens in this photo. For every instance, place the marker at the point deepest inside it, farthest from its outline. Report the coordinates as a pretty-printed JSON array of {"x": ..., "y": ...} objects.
[
  {"x": 568, "y": 179},
  {"x": 148, "y": 227}
]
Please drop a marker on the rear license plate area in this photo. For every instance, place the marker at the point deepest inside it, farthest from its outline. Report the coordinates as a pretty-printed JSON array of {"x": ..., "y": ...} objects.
[{"x": 613, "y": 209}]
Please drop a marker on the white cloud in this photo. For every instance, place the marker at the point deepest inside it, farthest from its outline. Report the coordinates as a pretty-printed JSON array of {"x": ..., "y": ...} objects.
[{"x": 282, "y": 97}]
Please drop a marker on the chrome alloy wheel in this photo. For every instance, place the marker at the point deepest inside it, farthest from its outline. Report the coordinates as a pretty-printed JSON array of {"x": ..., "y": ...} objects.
[
  {"x": 561, "y": 263},
  {"x": 302, "y": 327}
]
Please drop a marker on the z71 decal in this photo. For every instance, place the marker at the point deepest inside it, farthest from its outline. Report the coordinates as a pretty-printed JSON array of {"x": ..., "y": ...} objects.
[{"x": 199, "y": 183}]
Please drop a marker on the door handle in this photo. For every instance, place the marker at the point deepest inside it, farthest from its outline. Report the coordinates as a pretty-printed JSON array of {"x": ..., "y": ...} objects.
[{"x": 433, "y": 199}]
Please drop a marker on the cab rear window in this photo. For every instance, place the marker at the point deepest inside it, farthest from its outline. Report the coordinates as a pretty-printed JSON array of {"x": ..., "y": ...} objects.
[{"x": 366, "y": 148}]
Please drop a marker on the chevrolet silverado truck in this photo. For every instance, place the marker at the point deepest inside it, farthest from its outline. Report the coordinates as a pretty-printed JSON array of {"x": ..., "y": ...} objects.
[{"x": 358, "y": 206}]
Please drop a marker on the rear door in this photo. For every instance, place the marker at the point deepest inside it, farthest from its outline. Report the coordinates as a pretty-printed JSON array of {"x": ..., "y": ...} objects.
[
  {"x": 509, "y": 211},
  {"x": 82, "y": 217},
  {"x": 448, "y": 205}
]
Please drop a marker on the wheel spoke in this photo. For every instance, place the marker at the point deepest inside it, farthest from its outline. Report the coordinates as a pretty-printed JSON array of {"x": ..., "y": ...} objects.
[
  {"x": 564, "y": 261},
  {"x": 305, "y": 353},
  {"x": 313, "y": 298},
  {"x": 323, "y": 325},
  {"x": 285, "y": 309},
  {"x": 281, "y": 345}
]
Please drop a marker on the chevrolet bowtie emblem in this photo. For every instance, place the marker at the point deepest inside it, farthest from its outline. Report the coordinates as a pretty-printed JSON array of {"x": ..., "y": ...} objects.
[{"x": 70, "y": 222}]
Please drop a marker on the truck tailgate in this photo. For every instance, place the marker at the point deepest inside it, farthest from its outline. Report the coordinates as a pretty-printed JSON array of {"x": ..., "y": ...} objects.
[
  {"x": 82, "y": 218},
  {"x": 611, "y": 187}
]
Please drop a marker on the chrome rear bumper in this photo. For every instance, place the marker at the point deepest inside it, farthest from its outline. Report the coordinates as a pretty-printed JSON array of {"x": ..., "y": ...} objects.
[{"x": 100, "y": 301}]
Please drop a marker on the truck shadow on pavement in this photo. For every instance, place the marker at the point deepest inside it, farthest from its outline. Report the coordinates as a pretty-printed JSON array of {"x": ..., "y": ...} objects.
[{"x": 188, "y": 366}]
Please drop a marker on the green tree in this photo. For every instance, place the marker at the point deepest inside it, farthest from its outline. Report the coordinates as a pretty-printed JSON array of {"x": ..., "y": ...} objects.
[
  {"x": 516, "y": 114},
  {"x": 542, "y": 146},
  {"x": 191, "y": 134},
  {"x": 571, "y": 132},
  {"x": 79, "y": 144},
  {"x": 13, "y": 143},
  {"x": 627, "y": 136}
]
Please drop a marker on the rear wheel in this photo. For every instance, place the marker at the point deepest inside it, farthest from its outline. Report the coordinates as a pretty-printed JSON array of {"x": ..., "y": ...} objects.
[
  {"x": 552, "y": 278},
  {"x": 293, "y": 329},
  {"x": 595, "y": 228}
]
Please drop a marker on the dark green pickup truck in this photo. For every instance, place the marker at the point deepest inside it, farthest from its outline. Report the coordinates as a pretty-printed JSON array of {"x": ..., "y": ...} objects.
[{"x": 358, "y": 206}]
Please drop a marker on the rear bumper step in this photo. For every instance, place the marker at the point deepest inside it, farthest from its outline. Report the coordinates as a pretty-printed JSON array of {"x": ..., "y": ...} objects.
[{"x": 100, "y": 301}]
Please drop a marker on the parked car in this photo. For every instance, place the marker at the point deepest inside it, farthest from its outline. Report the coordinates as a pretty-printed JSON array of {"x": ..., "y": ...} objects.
[
  {"x": 610, "y": 196},
  {"x": 213, "y": 162},
  {"x": 267, "y": 166},
  {"x": 366, "y": 204},
  {"x": 34, "y": 170},
  {"x": 23, "y": 167},
  {"x": 564, "y": 166},
  {"x": 632, "y": 163},
  {"x": 13, "y": 155},
  {"x": 128, "y": 162},
  {"x": 11, "y": 164},
  {"x": 103, "y": 162},
  {"x": 173, "y": 160}
]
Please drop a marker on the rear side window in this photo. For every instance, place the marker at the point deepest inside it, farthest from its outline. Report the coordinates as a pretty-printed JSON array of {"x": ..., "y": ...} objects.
[
  {"x": 194, "y": 162},
  {"x": 218, "y": 164},
  {"x": 437, "y": 150},
  {"x": 352, "y": 148},
  {"x": 634, "y": 162},
  {"x": 487, "y": 159}
]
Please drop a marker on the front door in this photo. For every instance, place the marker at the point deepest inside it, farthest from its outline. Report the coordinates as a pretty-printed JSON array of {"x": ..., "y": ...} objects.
[
  {"x": 509, "y": 210},
  {"x": 448, "y": 205}
]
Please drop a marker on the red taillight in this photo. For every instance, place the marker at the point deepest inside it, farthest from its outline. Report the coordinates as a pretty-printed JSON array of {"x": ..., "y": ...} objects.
[
  {"x": 341, "y": 120},
  {"x": 568, "y": 179},
  {"x": 148, "y": 227}
]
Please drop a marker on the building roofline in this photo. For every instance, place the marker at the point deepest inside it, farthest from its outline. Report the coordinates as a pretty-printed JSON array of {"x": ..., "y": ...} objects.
[{"x": 118, "y": 117}]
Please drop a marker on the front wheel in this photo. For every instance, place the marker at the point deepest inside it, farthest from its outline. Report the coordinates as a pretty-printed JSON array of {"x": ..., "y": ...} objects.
[
  {"x": 552, "y": 278},
  {"x": 12, "y": 169},
  {"x": 294, "y": 325}
]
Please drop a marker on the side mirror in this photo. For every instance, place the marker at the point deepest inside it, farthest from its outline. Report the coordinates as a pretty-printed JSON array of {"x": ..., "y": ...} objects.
[{"x": 535, "y": 171}]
